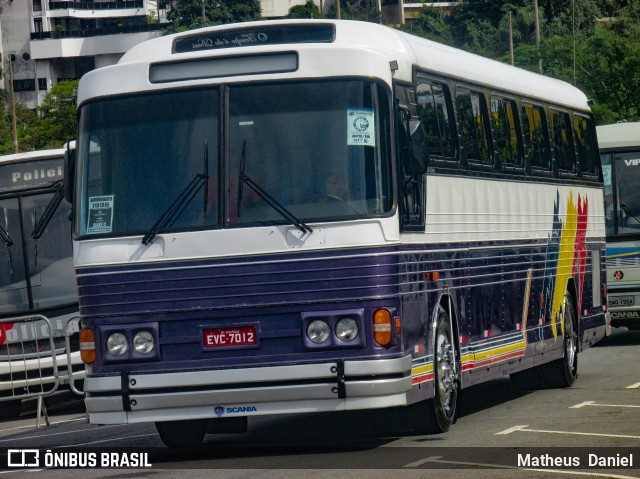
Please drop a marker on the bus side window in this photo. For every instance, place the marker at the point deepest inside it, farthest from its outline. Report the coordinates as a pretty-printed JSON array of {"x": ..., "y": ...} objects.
[
  {"x": 471, "y": 109},
  {"x": 586, "y": 145},
  {"x": 505, "y": 129},
  {"x": 411, "y": 185},
  {"x": 562, "y": 141},
  {"x": 434, "y": 111},
  {"x": 534, "y": 129}
]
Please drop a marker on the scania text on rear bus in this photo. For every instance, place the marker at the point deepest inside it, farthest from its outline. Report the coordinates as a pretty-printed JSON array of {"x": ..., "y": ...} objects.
[
  {"x": 620, "y": 151},
  {"x": 302, "y": 216},
  {"x": 36, "y": 278}
]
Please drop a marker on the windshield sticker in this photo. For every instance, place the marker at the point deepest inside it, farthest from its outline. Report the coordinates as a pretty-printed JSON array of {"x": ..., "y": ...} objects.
[
  {"x": 606, "y": 174},
  {"x": 100, "y": 214},
  {"x": 360, "y": 127}
]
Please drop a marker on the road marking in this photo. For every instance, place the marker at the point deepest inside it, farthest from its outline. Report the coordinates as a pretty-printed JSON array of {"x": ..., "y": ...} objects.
[
  {"x": 439, "y": 460},
  {"x": 574, "y": 433},
  {"x": 593, "y": 403},
  {"x": 512, "y": 429},
  {"x": 634, "y": 386},
  {"x": 49, "y": 434},
  {"x": 110, "y": 439},
  {"x": 33, "y": 427}
]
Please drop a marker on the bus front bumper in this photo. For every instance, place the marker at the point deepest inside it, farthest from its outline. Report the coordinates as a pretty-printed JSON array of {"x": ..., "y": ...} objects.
[{"x": 318, "y": 387}]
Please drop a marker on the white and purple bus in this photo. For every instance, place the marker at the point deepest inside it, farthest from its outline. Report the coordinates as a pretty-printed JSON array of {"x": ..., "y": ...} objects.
[{"x": 303, "y": 216}]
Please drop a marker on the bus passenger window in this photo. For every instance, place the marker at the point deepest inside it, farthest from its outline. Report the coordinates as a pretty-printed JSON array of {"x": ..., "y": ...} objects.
[
  {"x": 586, "y": 145},
  {"x": 471, "y": 109},
  {"x": 562, "y": 141},
  {"x": 503, "y": 118},
  {"x": 434, "y": 103},
  {"x": 534, "y": 129}
]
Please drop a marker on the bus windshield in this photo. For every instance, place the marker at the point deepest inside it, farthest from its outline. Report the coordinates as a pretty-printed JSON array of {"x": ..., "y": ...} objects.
[
  {"x": 622, "y": 195},
  {"x": 318, "y": 149},
  {"x": 35, "y": 274}
]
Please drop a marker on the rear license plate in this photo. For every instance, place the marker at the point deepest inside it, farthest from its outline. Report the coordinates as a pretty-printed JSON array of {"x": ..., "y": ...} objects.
[
  {"x": 617, "y": 301},
  {"x": 230, "y": 337}
]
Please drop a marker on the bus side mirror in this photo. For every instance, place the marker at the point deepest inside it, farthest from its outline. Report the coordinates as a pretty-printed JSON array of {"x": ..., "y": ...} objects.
[
  {"x": 413, "y": 164},
  {"x": 69, "y": 171}
]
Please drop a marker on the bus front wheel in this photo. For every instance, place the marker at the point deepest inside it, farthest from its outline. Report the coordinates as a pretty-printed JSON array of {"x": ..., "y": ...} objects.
[{"x": 180, "y": 434}]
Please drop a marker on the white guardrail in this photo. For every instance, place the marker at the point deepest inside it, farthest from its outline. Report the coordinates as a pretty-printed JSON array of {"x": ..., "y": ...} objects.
[{"x": 36, "y": 358}]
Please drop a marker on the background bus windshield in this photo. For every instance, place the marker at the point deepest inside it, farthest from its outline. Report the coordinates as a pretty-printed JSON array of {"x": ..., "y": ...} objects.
[
  {"x": 319, "y": 149},
  {"x": 622, "y": 195}
]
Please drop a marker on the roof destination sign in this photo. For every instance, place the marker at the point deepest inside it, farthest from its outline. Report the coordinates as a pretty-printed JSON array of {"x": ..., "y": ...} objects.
[
  {"x": 251, "y": 36},
  {"x": 30, "y": 174}
]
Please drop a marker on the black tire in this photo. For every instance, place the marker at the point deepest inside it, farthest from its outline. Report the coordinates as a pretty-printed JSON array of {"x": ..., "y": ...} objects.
[
  {"x": 10, "y": 409},
  {"x": 563, "y": 372},
  {"x": 180, "y": 434}
]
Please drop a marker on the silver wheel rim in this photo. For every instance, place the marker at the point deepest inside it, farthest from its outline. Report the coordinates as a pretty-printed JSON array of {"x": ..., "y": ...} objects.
[
  {"x": 570, "y": 339},
  {"x": 446, "y": 370}
]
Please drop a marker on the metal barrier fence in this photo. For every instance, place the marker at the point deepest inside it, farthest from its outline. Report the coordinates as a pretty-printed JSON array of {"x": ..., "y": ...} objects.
[{"x": 32, "y": 351}]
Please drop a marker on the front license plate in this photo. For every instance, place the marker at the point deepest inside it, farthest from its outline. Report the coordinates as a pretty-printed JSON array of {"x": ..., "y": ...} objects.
[
  {"x": 617, "y": 301},
  {"x": 230, "y": 337}
]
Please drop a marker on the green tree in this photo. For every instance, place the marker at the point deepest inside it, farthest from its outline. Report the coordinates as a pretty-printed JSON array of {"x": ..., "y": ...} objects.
[
  {"x": 308, "y": 10},
  {"x": 187, "y": 14}
]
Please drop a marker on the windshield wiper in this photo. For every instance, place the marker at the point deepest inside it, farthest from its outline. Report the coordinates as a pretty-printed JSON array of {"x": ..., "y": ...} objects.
[
  {"x": 175, "y": 209},
  {"x": 4, "y": 237},
  {"x": 49, "y": 210},
  {"x": 270, "y": 200},
  {"x": 629, "y": 212}
]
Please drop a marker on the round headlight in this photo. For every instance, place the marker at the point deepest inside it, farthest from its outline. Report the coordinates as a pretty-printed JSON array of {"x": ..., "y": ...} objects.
[
  {"x": 347, "y": 329},
  {"x": 117, "y": 344},
  {"x": 143, "y": 342},
  {"x": 318, "y": 331}
]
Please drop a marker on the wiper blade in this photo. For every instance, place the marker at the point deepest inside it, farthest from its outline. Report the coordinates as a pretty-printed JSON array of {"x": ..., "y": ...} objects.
[
  {"x": 629, "y": 212},
  {"x": 271, "y": 201},
  {"x": 175, "y": 209},
  {"x": 49, "y": 210},
  {"x": 4, "y": 237}
]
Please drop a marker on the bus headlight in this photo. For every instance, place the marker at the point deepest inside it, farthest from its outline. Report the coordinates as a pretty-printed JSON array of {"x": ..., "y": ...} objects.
[
  {"x": 346, "y": 329},
  {"x": 318, "y": 331},
  {"x": 143, "y": 342},
  {"x": 117, "y": 344}
]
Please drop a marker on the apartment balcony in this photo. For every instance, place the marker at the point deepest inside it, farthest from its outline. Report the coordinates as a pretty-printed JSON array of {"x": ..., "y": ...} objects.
[
  {"x": 90, "y": 42},
  {"x": 83, "y": 10}
]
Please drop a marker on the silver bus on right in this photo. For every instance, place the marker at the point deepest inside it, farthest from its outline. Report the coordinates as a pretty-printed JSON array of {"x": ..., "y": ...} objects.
[{"x": 619, "y": 145}]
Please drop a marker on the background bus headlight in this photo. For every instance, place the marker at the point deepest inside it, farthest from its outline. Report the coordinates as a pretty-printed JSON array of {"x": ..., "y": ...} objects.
[
  {"x": 346, "y": 329},
  {"x": 143, "y": 342},
  {"x": 318, "y": 331},
  {"x": 117, "y": 344}
]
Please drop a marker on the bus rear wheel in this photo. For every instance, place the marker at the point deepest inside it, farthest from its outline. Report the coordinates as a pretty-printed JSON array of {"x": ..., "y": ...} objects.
[
  {"x": 180, "y": 434},
  {"x": 563, "y": 372}
]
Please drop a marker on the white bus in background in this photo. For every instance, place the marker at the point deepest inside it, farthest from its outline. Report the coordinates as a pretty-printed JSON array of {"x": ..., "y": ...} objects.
[
  {"x": 619, "y": 145},
  {"x": 284, "y": 217},
  {"x": 36, "y": 278}
]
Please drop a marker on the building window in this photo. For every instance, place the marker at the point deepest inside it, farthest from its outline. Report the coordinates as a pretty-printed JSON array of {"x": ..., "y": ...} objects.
[
  {"x": 24, "y": 85},
  {"x": 37, "y": 5},
  {"x": 42, "y": 84},
  {"x": 37, "y": 25}
]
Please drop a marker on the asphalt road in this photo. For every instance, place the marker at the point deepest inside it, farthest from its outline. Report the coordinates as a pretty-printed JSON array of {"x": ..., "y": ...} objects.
[{"x": 598, "y": 416}]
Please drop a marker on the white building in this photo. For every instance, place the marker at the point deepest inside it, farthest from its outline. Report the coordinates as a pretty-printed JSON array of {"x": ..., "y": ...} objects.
[{"x": 58, "y": 40}]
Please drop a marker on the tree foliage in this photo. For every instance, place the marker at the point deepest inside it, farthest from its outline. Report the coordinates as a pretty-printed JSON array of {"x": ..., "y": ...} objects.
[
  {"x": 187, "y": 14},
  {"x": 308, "y": 10}
]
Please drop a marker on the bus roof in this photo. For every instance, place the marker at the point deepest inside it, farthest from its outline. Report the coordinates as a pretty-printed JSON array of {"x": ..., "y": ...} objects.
[
  {"x": 618, "y": 135},
  {"x": 407, "y": 50},
  {"x": 32, "y": 155}
]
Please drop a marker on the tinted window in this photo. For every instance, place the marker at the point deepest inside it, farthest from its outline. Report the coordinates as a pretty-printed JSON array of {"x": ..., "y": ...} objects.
[
  {"x": 503, "y": 119},
  {"x": 562, "y": 141},
  {"x": 534, "y": 129},
  {"x": 586, "y": 144},
  {"x": 471, "y": 109},
  {"x": 434, "y": 102}
]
